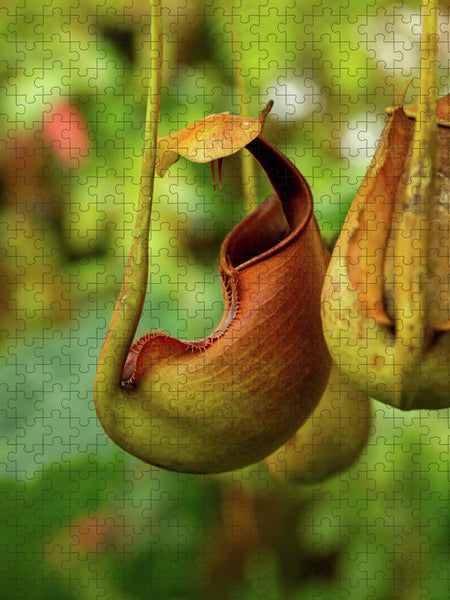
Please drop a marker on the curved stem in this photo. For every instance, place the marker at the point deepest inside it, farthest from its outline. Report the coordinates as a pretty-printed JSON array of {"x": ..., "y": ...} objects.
[{"x": 127, "y": 311}]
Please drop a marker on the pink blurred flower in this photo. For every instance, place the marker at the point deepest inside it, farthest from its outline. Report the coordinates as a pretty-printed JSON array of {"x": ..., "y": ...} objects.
[{"x": 65, "y": 131}]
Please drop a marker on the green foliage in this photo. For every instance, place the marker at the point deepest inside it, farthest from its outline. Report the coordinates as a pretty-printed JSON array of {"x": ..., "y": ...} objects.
[{"x": 79, "y": 519}]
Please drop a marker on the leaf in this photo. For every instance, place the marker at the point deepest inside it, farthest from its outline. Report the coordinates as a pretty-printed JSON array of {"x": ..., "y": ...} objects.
[{"x": 209, "y": 139}]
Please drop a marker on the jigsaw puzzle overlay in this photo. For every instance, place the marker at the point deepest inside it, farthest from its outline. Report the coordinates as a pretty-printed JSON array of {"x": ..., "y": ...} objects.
[{"x": 355, "y": 505}]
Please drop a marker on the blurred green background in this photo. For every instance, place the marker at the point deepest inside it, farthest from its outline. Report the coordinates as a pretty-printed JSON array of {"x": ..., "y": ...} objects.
[{"x": 78, "y": 517}]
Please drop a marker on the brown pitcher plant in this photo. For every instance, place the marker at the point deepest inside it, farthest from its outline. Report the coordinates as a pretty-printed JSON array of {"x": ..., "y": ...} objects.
[
  {"x": 386, "y": 301},
  {"x": 228, "y": 400}
]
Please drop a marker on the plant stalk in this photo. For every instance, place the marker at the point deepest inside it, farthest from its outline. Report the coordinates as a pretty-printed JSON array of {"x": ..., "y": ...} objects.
[
  {"x": 128, "y": 308},
  {"x": 248, "y": 167}
]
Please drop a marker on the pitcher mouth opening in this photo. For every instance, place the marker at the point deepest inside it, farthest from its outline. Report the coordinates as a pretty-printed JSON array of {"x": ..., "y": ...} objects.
[{"x": 272, "y": 226}]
